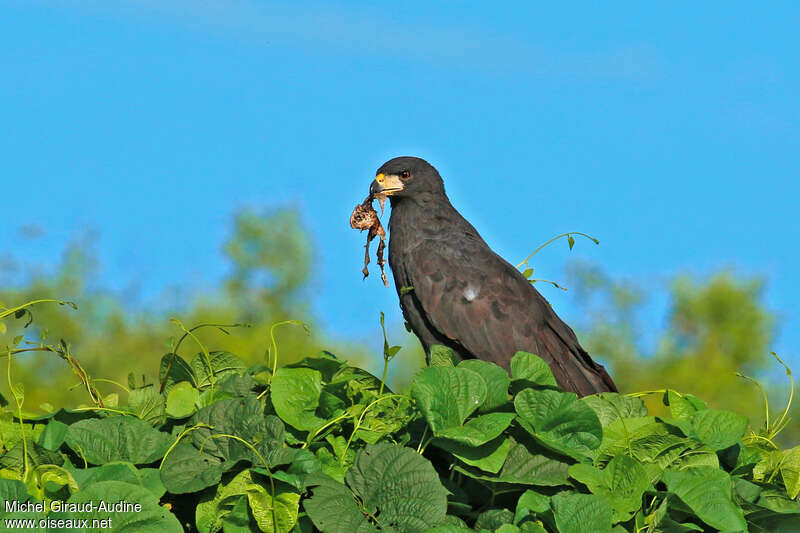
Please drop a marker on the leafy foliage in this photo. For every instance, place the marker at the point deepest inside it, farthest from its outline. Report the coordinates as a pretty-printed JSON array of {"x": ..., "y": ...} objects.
[
  {"x": 267, "y": 256},
  {"x": 323, "y": 445},
  {"x": 712, "y": 330}
]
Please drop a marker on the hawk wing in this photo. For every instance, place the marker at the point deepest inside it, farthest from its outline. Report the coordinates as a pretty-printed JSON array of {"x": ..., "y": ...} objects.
[{"x": 476, "y": 299}]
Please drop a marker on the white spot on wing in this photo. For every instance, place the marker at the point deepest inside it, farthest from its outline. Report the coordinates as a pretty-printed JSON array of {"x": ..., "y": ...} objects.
[{"x": 471, "y": 292}]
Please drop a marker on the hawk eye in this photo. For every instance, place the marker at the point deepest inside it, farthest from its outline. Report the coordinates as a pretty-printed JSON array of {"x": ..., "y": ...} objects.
[{"x": 405, "y": 175}]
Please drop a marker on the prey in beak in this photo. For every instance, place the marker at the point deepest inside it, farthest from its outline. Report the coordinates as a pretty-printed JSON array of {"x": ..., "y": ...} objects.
[{"x": 386, "y": 185}]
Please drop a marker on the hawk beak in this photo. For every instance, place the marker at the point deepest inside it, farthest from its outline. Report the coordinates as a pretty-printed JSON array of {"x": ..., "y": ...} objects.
[{"x": 386, "y": 185}]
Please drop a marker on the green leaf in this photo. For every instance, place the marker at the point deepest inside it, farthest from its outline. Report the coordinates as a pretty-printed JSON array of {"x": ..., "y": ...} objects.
[
  {"x": 776, "y": 523},
  {"x": 440, "y": 355},
  {"x": 683, "y": 426},
  {"x": 295, "y": 395},
  {"x": 478, "y": 430},
  {"x": 532, "y": 368},
  {"x": 719, "y": 429},
  {"x": 112, "y": 400},
  {"x": 497, "y": 382},
  {"x": 119, "y": 438},
  {"x": 452, "y": 523},
  {"x": 399, "y": 486},
  {"x": 37, "y": 455},
  {"x": 173, "y": 369},
  {"x": 696, "y": 402},
  {"x": 238, "y": 519},
  {"x": 488, "y": 457},
  {"x": 332, "y": 466},
  {"x": 274, "y": 511},
  {"x": 790, "y": 471},
  {"x": 570, "y": 241},
  {"x": 559, "y": 421},
  {"x": 769, "y": 462},
  {"x": 692, "y": 458},
  {"x": 53, "y": 435},
  {"x": 352, "y": 383},
  {"x": 384, "y": 418},
  {"x": 146, "y": 403},
  {"x": 533, "y": 501},
  {"x": 331, "y": 405},
  {"x": 304, "y": 462},
  {"x": 581, "y": 513},
  {"x": 682, "y": 406},
  {"x": 746, "y": 491},
  {"x": 494, "y": 519},
  {"x": 238, "y": 385},
  {"x": 148, "y": 478},
  {"x": 746, "y": 458},
  {"x": 182, "y": 400},
  {"x": 10, "y": 430},
  {"x": 622, "y": 484},
  {"x": 707, "y": 492},
  {"x": 222, "y": 363},
  {"x": 449, "y": 528},
  {"x": 668, "y": 525},
  {"x": 645, "y": 438},
  {"x": 611, "y": 406},
  {"x": 305, "y": 470},
  {"x": 207, "y": 398},
  {"x": 48, "y": 482},
  {"x": 187, "y": 469},
  {"x": 152, "y": 518},
  {"x": 325, "y": 362},
  {"x": 243, "y": 418},
  {"x": 333, "y": 509},
  {"x": 447, "y": 396},
  {"x": 533, "y": 527},
  {"x": 526, "y": 465},
  {"x": 776, "y": 501},
  {"x": 12, "y": 490}
]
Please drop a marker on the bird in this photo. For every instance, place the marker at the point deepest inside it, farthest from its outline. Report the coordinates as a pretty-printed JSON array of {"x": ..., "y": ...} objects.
[{"x": 455, "y": 291}]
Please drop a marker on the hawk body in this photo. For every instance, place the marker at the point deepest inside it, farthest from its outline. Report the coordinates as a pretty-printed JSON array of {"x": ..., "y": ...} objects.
[{"x": 454, "y": 290}]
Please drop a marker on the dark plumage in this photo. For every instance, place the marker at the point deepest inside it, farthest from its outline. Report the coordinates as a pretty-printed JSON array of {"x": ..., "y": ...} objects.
[{"x": 464, "y": 295}]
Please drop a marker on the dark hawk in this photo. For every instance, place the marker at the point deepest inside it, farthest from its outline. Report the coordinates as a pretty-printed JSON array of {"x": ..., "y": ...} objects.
[{"x": 454, "y": 290}]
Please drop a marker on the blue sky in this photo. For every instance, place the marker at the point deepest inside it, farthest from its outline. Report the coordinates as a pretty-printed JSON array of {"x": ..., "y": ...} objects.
[{"x": 670, "y": 133}]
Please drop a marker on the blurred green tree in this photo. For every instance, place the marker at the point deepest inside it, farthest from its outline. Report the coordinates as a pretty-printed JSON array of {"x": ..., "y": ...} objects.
[
  {"x": 714, "y": 329},
  {"x": 270, "y": 264}
]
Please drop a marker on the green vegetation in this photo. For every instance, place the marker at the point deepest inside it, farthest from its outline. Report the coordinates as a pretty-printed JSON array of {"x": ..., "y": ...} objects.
[
  {"x": 714, "y": 333},
  {"x": 268, "y": 280},
  {"x": 217, "y": 445},
  {"x": 274, "y": 440},
  {"x": 714, "y": 328}
]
